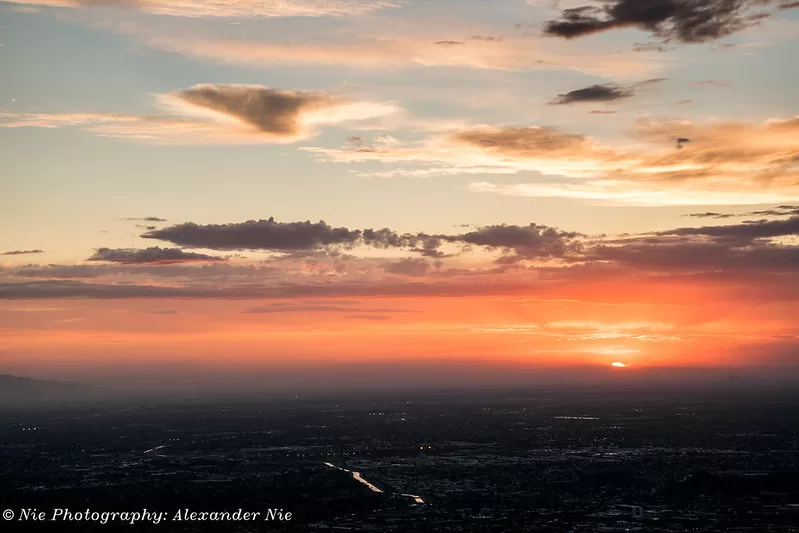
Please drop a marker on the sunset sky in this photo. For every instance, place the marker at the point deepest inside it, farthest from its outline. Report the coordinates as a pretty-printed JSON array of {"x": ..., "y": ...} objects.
[{"x": 398, "y": 191}]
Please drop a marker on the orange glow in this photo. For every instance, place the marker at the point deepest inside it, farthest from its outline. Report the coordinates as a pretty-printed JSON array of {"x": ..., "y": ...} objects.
[{"x": 659, "y": 326}]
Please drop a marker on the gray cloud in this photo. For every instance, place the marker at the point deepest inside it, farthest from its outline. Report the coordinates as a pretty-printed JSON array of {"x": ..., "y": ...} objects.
[
  {"x": 779, "y": 211},
  {"x": 22, "y": 252},
  {"x": 746, "y": 250},
  {"x": 711, "y": 214},
  {"x": 595, "y": 93},
  {"x": 146, "y": 219},
  {"x": 746, "y": 231},
  {"x": 271, "y": 111},
  {"x": 525, "y": 242},
  {"x": 218, "y": 271},
  {"x": 150, "y": 256},
  {"x": 687, "y": 21},
  {"x": 556, "y": 283},
  {"x": 699, "y": 255},
  {"x": 59, "y": 271},
  {"x": 56, "y": 289},
  {"x": 257, "y": 235},
  {"x": 608, "y": 92},
  {"x": 746, "y": 246},
  {"x": 413, "y": 267}
]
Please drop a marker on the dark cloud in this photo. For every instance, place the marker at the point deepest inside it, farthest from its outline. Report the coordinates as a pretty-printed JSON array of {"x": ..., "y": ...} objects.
[
  {"x": 448, "y": 43},
  {"x": 77, "y": 289},
  {"x": 304, "y": 238},
  {"x": 522, "y": 242},
  {"x": 299, "y": 239},
  {"x": 270, "y": 111},
  {"x": 413, "y": 267},
  {"x": 779, "y": 211},
  {"x": 699, "y": 255},
  {"x": 319, "y": 270},
  {"x": 387, "y": 238},
  {"x": 711, "y": 214},
  {"x": 205, "y": 271},
  {"x": 22, "y": 252},
  {"x": 427, "y": 245},
  {"x": 608, "y": 92},
  {"x": 735, "y": 247},
  {"x": 745, "y": 232},
  {"x": 59, "y": 271},
  {"x": 150, "y": 256},
  {"x": 147, "y": 219},
  {"x": 57, "y": 289},
  {"x": 687, "y": 21},
  {"x": 257, "y": 235},
  {"x": 595, "y": 93},
  {"x": 547, "y": 283}
]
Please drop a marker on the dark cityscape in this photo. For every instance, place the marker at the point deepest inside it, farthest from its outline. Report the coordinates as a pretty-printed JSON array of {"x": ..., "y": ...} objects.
[{"x": 526, "y": 461}]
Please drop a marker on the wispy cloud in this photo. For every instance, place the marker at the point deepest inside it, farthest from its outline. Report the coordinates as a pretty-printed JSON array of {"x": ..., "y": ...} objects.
[
  {"x": 228, "y": 8},
  {"x": 22, "y": 252},
  {"x": 665, "y": 163},
  {"x": 150, "y": 256},
  {"x": 217, "y": 114},
  {"x": 608, "y": 92},
  {"x": 387, "y": 51}
]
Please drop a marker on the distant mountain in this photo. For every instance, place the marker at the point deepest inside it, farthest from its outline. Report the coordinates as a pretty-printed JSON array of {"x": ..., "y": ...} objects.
[{"x": 21, "y": 391}]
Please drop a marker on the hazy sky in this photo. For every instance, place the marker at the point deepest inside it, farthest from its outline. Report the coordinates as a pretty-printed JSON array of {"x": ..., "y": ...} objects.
[{"x": 274, "y": 185}]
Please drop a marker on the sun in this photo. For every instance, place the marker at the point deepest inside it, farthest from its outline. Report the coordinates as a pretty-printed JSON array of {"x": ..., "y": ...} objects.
[{"x": 618, "y": 364}]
